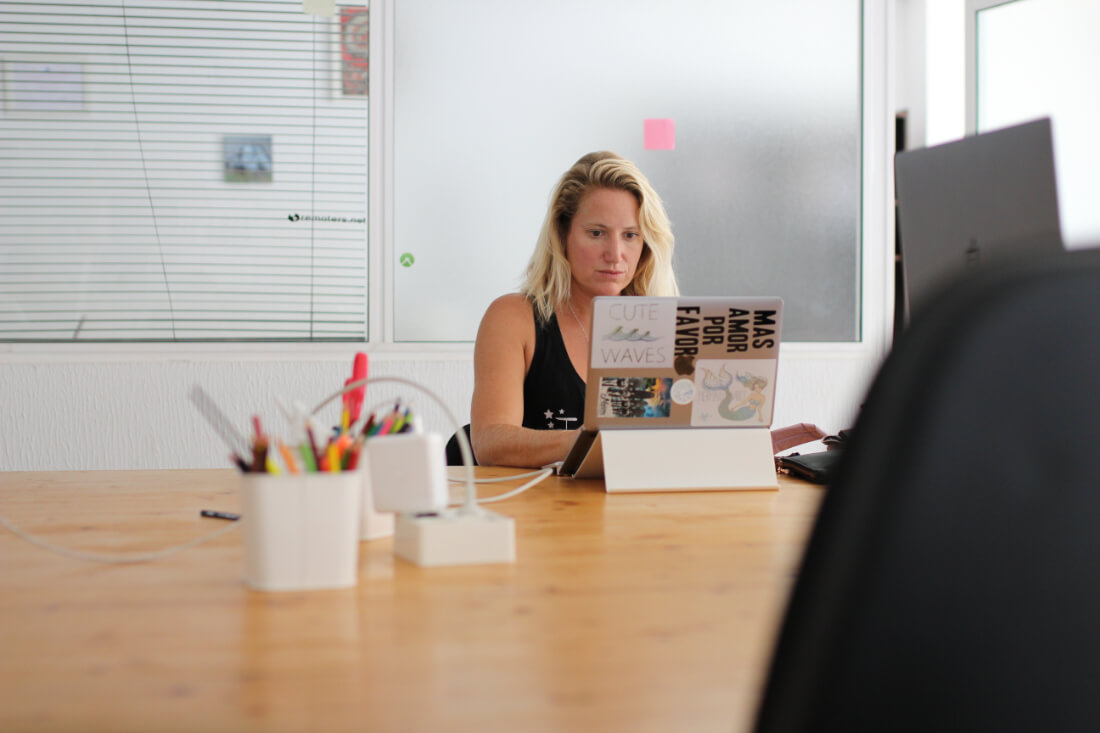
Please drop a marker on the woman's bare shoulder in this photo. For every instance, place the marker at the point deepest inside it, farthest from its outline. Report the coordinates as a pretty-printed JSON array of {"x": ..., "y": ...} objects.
[
  {"x": 508, "y": 326},
  {"x": 511, "y": 310}
]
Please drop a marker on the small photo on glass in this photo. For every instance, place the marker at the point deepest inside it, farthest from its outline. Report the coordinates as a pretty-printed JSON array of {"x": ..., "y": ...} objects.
[{"x": 248, "y": 159}]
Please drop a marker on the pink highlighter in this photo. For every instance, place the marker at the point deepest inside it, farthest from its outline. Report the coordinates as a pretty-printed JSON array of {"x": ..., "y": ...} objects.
[{"x": 353, "y": 400}]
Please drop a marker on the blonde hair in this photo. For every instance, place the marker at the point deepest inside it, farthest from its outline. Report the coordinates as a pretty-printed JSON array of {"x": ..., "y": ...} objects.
[{"x": 549, "y": 280}]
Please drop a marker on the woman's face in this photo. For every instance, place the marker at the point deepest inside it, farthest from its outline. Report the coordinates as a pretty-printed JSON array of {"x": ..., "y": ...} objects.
[{"x": 604, "y": 242}]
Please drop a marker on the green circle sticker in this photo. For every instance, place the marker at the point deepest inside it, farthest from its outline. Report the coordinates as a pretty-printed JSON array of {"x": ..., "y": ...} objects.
[{"x": 407, "y": 259}]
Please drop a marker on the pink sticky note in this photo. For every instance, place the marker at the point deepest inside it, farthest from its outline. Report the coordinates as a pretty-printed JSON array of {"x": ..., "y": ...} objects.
[{"x": 660, "y": 134}]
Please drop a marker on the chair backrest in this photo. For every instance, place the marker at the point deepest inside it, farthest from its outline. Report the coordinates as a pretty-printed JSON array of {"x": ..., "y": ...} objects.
[
  {"x": 952, "y": 577},
  {"x": 453, "y": 452}
]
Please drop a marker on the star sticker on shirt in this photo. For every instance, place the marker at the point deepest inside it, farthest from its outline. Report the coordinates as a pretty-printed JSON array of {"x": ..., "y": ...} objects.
[{"x": 552, "y": 420}]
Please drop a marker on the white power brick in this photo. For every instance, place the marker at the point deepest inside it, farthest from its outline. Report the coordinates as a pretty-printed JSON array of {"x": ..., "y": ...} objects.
[
  {"x": 455, "y": 538},
  {"x": 407, "y": 472}
]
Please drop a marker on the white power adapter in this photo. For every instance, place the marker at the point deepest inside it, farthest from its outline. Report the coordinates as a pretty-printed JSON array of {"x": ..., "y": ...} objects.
[
  {"x": 408, "y": 477},
  {"x": 407, "y": 472},
  {"x": 455, "y": 537}
]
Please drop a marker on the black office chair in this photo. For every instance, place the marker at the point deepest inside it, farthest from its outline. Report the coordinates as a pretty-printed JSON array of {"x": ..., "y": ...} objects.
[
  {"x": 952, "y": 577},
  {"x": 454, "y": 453}
]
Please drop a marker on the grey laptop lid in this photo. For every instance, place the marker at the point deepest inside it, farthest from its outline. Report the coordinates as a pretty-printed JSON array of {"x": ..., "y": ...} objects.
[{"x": 972, "y": 202}]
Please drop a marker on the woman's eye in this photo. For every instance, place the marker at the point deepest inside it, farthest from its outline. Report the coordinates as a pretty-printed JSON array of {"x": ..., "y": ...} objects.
[
  {"x": 632, "y": 235},
  {"x": 594, "y": 233}
]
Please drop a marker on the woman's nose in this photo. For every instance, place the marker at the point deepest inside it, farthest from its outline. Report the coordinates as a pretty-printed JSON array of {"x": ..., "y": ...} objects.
[{"x": 613, "y": 252}]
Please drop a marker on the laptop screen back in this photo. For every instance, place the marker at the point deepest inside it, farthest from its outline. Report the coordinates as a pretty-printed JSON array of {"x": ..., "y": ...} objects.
[
  {"x": 682, "y": 362},
  {"x": 973, "y": 202}
]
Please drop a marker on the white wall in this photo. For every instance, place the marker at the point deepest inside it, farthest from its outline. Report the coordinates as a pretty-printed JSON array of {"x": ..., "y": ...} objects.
[
  {"x": 131, "y": 410},
  {"x": 945, "y": 74},
  {"x": 911, "y": 73},
  {"x": 931, "y": 69}
]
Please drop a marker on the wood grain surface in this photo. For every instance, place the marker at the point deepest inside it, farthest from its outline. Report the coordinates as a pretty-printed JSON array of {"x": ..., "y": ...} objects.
[{"x": 632, "y": 612}]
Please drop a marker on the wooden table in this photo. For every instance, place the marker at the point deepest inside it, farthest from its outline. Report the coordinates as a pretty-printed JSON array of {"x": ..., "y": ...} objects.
[{"x": 632, "y": 612}]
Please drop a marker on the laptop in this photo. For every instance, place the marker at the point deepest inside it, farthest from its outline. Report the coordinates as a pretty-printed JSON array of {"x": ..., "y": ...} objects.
[
  {"x": 977, "y": 201},
  {"x": 676, "y": 362}
]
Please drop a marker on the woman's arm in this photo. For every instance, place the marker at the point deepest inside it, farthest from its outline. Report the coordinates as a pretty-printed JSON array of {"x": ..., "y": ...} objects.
[{"x": 502, "y": 355}]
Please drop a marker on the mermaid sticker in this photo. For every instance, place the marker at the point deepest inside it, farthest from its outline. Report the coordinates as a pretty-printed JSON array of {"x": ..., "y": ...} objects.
[{"x": 732, "y": 393}]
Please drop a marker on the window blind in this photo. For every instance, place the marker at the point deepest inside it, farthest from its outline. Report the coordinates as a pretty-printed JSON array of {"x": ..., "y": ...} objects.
[{"x": 191, "y": 170}]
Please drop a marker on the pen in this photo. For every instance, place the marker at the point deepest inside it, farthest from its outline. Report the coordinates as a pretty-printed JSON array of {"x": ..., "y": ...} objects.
[{"x": 214, "y": 514}]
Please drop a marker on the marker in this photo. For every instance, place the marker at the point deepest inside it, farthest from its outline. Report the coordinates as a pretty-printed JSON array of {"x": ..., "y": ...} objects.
[
  {"x": 352, "y": 461},
  {"x": 353, "y": 400},
  {"x": 399, "y": 421},
  {"x": 313, "y": 446},
  {"x": 343, "y": 444},
  {"x": 259, "y": 455},
  {"x": 308, "y": 459},
  {"x": 288, "y": 457},
  {"x": 386, "y": 425},
  {"x": 333, "y": 457}
]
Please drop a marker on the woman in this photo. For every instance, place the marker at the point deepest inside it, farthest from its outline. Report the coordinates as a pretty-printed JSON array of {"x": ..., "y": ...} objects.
[{"x": 606, "y": 233}]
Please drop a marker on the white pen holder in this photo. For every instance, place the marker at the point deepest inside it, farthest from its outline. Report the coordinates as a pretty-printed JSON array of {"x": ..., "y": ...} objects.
[{"x": 301, "y": 531}]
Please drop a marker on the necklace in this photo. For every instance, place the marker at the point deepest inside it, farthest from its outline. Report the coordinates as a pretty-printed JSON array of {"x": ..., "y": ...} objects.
[{"x": 578, "y": 320}]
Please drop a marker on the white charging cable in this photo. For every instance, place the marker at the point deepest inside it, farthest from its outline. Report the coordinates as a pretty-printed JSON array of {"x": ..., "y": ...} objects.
[
  {"x": 539, "y": 476},
  {"x": 470, "y": 501},
  {"x": 122, "y": 557}
]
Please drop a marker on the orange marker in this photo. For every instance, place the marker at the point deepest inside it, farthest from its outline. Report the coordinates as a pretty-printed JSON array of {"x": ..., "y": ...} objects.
[{"x": 288, "y": 458}]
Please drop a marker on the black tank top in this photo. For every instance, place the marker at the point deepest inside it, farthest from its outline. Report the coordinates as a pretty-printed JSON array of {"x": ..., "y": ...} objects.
[{"x": 553, "y": 392}]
